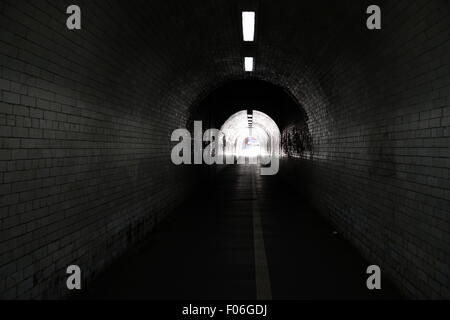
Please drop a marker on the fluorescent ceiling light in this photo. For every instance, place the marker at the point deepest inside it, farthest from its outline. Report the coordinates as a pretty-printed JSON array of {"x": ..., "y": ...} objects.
[
  {"x": 248, "y": 25},
  {"x": 248, "y": 64}
]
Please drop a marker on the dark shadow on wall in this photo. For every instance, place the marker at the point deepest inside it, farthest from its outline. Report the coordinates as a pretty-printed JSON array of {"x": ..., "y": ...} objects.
[{"x": 296, "y": 140}]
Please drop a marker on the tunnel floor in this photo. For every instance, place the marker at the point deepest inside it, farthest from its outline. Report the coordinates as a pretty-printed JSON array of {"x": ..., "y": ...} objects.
[{"x": 248, "y": 237}]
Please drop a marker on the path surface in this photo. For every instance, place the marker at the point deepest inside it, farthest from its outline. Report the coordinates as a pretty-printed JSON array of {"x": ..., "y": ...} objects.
[{"x": 251, "y": 237}]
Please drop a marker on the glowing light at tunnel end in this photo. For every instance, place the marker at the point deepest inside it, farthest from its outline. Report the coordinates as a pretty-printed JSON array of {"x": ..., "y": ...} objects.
[{"x": 235, "y": 143}]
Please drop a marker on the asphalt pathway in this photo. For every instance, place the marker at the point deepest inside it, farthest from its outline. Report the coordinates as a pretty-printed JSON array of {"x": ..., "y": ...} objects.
[{"x": 247, "y": 237}]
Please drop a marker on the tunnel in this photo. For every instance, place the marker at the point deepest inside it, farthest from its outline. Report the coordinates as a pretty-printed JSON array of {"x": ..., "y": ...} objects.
[{"x": 164, "y": 149}]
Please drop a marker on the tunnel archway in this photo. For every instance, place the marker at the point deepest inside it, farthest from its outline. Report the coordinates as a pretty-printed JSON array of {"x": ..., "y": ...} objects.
[
  {"x": 277, "y": 103},
  {"x": 251, "y": 133}
]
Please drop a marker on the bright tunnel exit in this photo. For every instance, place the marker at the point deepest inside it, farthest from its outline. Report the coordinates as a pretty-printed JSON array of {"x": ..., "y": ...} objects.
[{"x": 251, "y": 134}]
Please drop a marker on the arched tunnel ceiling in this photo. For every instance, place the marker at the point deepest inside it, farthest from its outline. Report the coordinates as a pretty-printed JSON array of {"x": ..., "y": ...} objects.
[
  {"x": 249, "y": 94},
  {"x": 200, "y": 43}
]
